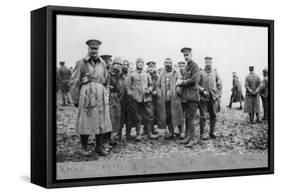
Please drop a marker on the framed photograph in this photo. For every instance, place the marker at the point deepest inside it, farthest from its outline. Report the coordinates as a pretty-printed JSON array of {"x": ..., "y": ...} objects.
[{"x": 127, "y": 96}]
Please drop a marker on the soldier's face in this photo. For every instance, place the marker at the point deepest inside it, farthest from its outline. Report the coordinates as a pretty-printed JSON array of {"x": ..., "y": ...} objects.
[
  {"x": 182, "y": 66},
  {"x": 93, "y": 51},
  {"x": 233, "y": 74},
  {"x": 187, "y": 57},
  {"x": 150, "y": 69},
  {"x": 208, "y": 62},
  {"x": 168, "y": 63},
  {"x": 139, "y": 65}
]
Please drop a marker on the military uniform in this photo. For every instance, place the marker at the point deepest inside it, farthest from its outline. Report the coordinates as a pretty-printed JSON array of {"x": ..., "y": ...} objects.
[
  {"x": 93, "y": 117},
  {"x": 139, "y": 87},
  {"x": 263, "y": 91},
  {"x": 64, "y": 76},
  {"x": 210, "y": 86},
  {"x": 169, "y": 102},
  {"x": 237, "y": 93},
  {"x": 190, "y": 97},
  {"x": 252, "y": 101}
]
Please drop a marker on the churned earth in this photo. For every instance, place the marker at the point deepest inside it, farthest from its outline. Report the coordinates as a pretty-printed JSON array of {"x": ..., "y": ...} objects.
[{"x": 234, "y": 136}]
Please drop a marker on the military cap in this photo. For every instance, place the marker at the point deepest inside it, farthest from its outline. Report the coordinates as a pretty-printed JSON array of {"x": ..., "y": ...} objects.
[
  {"x": 208, "y": 58},
  {"x": 117, "y": 60},
  {"x": 105, "y": 57},
  {"x": 139, "y": 60},
  {"x": 151, "y": 63},
  {"x": 93, "y": 42},
  {"x": 186, "y": 49}
]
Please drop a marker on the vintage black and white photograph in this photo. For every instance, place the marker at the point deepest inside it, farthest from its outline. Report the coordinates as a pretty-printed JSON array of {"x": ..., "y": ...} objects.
[{"x": 137, "y": 97}]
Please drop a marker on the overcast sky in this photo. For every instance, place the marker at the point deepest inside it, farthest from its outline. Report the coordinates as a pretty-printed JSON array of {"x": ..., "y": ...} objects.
[{"x": 233, "y": 48}]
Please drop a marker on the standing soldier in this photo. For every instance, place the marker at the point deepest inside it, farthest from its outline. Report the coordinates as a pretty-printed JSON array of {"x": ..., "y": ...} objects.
[
  {"x": 126, "y": 113},
  {"x": 252, "y": 101},
  {"x": 237, "y": 94},
  {"x": 189, "y": 95},
  {"x": 64, "y": 76},
  {"x": 108, "y": 60},
  {"x": 210, "y": 87},
  {"x": 169, "y": 102},
  {"x": 139, "y": 87},
  {"x": 151, "y": 69},
  {"x": 262, "y": 90},
  {"x": 90, "y": 76}
]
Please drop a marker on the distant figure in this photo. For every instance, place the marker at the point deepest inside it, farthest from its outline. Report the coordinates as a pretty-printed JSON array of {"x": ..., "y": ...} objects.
[
  {"x": 108, "y": 60},
  {"x": 237, "y": 93},
  {"x": 262, "y": 90},
  {"x": 210, "y": 86},
  {"x": 64, "y": 76},
  {"x": 252, "y": 101}
]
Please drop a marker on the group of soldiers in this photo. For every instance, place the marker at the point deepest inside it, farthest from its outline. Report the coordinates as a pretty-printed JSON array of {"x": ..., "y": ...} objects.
[{"x": 111, "y": 96}]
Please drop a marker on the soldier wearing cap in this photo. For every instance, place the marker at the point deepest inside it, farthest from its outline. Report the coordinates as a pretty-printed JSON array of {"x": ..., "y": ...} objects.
[
  {"x": 139, "y": 87},
  {"x": 237, "y": 93},
  {"x": 169, "y": 102},
  {"x": 210, "y": 87},
  {"x": 262, "y": 90},
  {"x": 189, "y": 95},
  {"x": 90, "y": 76},
  {"x": 64, "y": 75},
  {"x": 108, "y": 60},
  {"x": 151, "y": 69},
  {"x": 252, "y": 102}
]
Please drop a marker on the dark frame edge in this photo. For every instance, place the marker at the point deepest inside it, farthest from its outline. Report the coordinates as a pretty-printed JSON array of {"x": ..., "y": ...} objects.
[{"x": 38, "y": 97}]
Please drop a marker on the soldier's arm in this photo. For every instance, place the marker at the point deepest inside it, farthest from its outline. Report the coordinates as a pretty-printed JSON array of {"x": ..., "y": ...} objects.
[
  {"x": 149, "y": 83},
  {"x": 76, "y": 76},
  {"x": 158, "y": 85},
  {"x": 247, "y": 86},
  {"x": 194, "y": 78},
  {"x": 261, "y": 87}
]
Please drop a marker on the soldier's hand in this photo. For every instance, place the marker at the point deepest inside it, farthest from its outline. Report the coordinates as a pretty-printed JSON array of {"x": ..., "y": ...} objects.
[{"x": 179, "y": 82}]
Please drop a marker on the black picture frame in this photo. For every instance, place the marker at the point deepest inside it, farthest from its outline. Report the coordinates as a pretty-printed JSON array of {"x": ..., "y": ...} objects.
[{"x": 43, "y": 106}]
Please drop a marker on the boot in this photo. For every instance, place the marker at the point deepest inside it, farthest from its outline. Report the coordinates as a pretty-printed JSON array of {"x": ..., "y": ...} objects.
[
  {"x": 149, "y": 132},
  {"x": 144, "y": 130},
  {"x": 99, "y": 146},
  {"x": 212, "y": 128},
  {"x": 106, "y": 138},
  {"x": 202, "y": 124},
  {"x": 258, "y": 118},
  {"x": 191, "y": 129},
  {"x": 154, "y": 130},
  {"x": 241, "y": 107},
  {"x": 138, "y": 137},
  {"x": 84, "y": 144},
  {"x": 251, "y": 118},
  {"x": 230, "y": 105},
  {"x": 128, "y": 132},
  {"x": 182, "y": 135},
  {"x": 171, "y": 132},
  {"x": 186, "y": 139}
]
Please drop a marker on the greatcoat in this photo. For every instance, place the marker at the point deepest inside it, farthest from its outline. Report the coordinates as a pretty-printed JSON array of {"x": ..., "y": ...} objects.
[
  {"x": 176, "y": 106},
  {"x": 252, "y": 101},
  {"x": 90, "y": 76}
]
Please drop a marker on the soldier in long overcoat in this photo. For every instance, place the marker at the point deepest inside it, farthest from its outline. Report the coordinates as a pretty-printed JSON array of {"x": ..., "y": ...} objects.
[
  {"x": 262, "y": 90},
  {"x": 252, "y": 101},
  {"x": 189, "y": 95},
  {"x": 236, "y": 92},
  {"x": 169, "y": 102},
  {"x": 93, "y": 118},
  {"x": 210, "y": 87}
]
